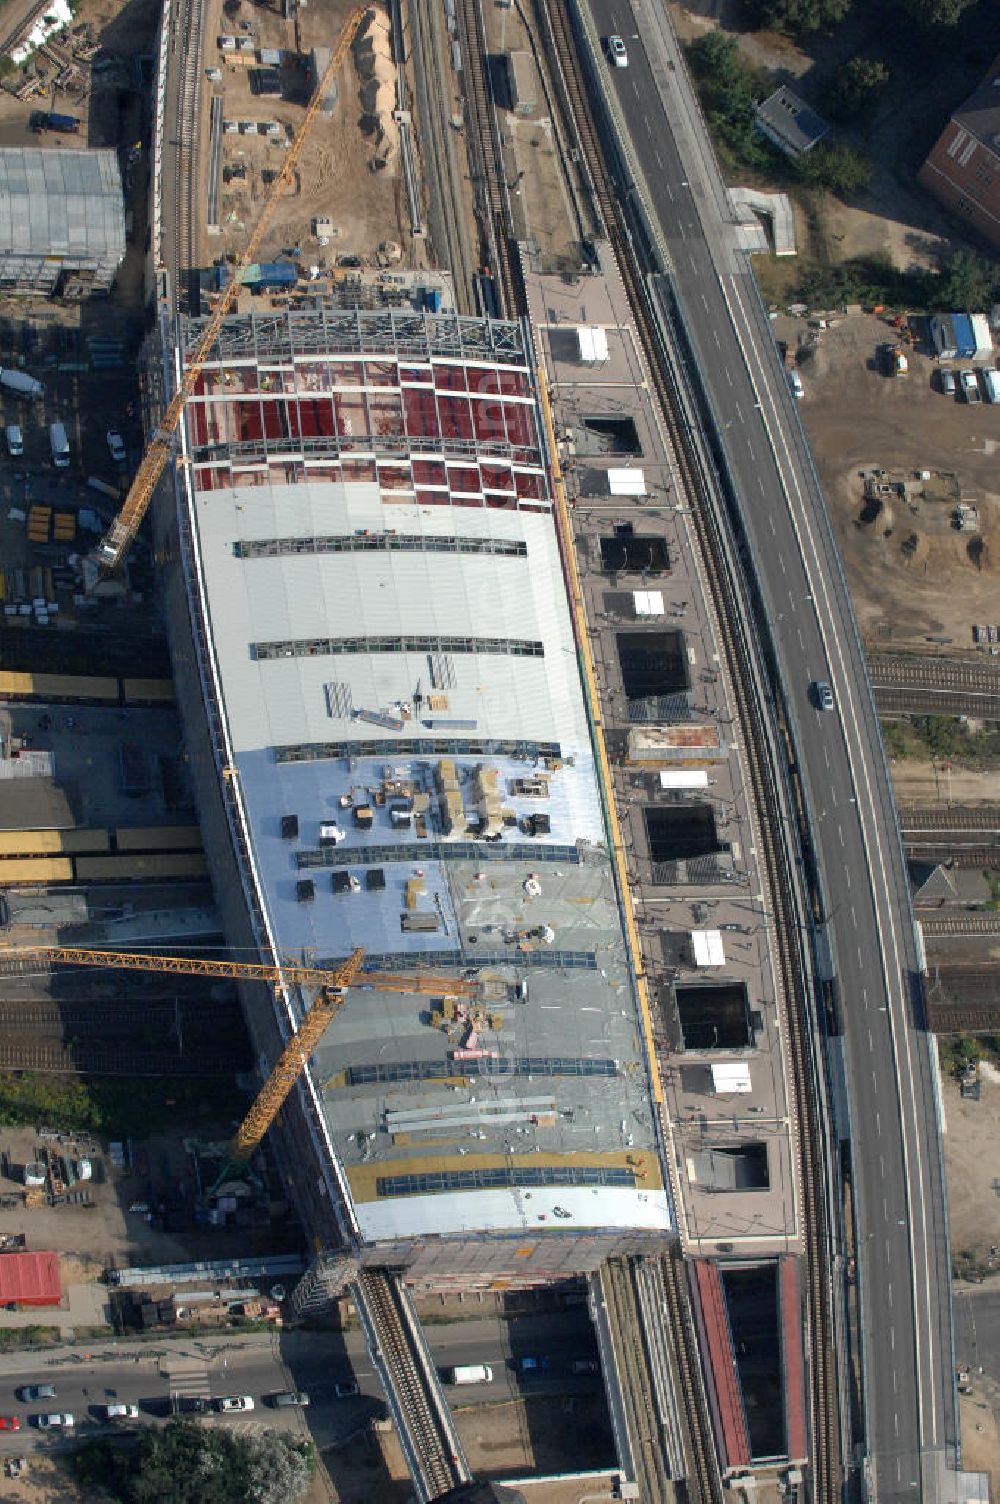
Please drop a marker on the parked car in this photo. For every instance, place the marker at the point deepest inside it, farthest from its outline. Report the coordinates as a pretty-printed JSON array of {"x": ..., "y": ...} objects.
[
  {"x": 533, "y": 1365},
  {"x": 116, "y": 446},
  {"x": 617, "y": 52},
  {"x": 10, "y": 1423},
  {"x": 234, "y": 1402},
  {"x": 795, "y": 386},
  {"x": 346, "y": 1389},
  {"x": 193, "y": 1404},
  {"x": 947, "y": 379},
  {"x": 123, "y": 1412},
  {"x": 586, "y": 1365},
  {"x": 29, "y": 1393},
  {"x": 54, "y": 1422},
  {"x": 285, "y": 1399},
  {"x": 970, "y": 386}
]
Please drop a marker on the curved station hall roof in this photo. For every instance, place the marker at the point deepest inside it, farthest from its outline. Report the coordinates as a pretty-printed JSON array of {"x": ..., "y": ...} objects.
[{"x": 394, "y": 655}]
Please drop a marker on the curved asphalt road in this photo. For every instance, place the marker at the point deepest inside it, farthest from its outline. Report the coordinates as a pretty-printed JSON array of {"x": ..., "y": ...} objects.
[{"x": 903, "y": 1257}]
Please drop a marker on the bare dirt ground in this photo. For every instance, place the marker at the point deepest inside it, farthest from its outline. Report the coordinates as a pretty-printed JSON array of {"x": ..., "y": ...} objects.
[
  {"x": 977, "y": 1413},
  {"x": 910, "y": 572},
  {"x": 91, "y": 1239},
  {"x": 334, "y": 179},
  {"x": 971, "y": 1166},
  {"x": 919, "y": 782},
  {"x": 46, "y": 1481}
]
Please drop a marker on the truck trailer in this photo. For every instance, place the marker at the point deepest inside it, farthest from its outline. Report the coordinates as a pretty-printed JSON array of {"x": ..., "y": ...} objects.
[{"x": 20, "y": 383}]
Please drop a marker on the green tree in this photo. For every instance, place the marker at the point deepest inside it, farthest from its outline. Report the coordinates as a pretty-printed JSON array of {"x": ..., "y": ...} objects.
[
  {"x": 796, "y": 16},
  {"x": 185, "y": 1463},
  {"x": 968, "y": 282},
  {"x": 839, "y": 168},
  {"x": 729, "y": 89},
  {"x": 936, "y": 12},
  {"x": 855, "y": 87}
]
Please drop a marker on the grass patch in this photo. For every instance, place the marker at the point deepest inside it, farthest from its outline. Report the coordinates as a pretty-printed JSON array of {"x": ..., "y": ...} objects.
[
  {"x": 112, "y": 1108},
  {"x": 27, "y": 1336},
  {"x": 941, "y": 737}
]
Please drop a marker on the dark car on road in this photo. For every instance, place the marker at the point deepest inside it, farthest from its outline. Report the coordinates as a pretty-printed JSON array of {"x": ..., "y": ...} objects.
[{"x": 532, "y": 1365}]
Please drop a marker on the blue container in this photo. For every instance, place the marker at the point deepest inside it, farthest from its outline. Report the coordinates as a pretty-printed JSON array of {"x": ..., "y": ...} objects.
[
  {"x": 433, "y": 297},
  {"x": 277, "y": 274}
]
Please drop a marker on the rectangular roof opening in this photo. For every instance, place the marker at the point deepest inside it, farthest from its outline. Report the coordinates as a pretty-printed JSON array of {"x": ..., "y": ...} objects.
[
  {"x": 677, "y": 832},
  {"x": 714, "y": 1016},
  {"x": 635, "y": 553},
  {"x": 652, "y": 664}
]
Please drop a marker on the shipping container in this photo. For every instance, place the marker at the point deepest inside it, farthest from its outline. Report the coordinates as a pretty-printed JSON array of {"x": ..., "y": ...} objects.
[
  {"x": 148, "y": 691},
  {"x": 18, "y": 843},
  {"x": 163, "y": 867},
  {"x": 69, "y": 124},
  {"x": 991, "y": 385},
  {"x": 36, "y": 872},
  {"x": 52, "y": 688},
  {"x": 271, "y": 274},
  {"x": 158, "y": 838}
]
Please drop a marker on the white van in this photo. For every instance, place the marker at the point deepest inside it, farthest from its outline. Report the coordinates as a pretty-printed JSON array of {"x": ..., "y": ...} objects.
[
  {"x": 15, "y": 439},
  {"x": 469, "y": 1373},
  {"x": 795, "y": 383},
  {"x": 60, "y": 446}
]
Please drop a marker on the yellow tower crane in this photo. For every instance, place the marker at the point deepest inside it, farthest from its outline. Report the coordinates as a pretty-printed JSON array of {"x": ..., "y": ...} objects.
[
  {"x": 118, "y": 538},
  {"x": 290, "y": 1064}
]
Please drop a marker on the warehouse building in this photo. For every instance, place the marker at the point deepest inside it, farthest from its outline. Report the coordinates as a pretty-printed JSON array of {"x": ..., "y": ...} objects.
[
  {"x": 384, "y": 644},
  {"x": 62, "y": 221}
]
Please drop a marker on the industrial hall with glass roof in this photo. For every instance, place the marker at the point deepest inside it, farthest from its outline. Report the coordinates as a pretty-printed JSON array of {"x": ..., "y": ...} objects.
[{"x": 377, "y": 567}]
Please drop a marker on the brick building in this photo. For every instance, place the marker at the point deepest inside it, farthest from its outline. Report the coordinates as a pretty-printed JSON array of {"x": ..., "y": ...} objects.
[{"x": 963, "y": 168}]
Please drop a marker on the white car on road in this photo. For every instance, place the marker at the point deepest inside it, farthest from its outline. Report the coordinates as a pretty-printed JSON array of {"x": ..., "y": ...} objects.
[{"x": 617, "y": 52}]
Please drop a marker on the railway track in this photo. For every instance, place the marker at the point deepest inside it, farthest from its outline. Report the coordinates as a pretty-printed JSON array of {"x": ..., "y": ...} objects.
[
  {"x": 111, "y": 1018},
  {"x": 703, "y": 1484},
  {"x": 978, "y": 854},
  {"x": 934, "y": 686},
  {"x": 729, "y": 604},
  {"x": 920, "y": 820},
  {"x": 922, "y": 701},
  {"x": 649, "y": 1452},
  {"x": 945, "y": 926},
  {"x": 965, "y": 981},
  {"x": 51, "y": 1057},
  {"x": 493, "y": 203},
  {"x": 946, "y": 674},
  {"x": 964, "y": 996},
  {"x": 440, "y": 1471},
  {"x": 187, "y": 57}
]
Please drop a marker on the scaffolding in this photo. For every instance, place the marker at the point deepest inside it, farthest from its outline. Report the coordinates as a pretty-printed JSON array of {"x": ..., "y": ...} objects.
[{"x": 280, "y": 336}]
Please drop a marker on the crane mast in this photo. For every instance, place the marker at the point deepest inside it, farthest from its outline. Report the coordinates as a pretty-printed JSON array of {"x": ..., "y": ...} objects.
[
  {"x": 330, "y": 982},
  {"x": 118, "y": 538}
]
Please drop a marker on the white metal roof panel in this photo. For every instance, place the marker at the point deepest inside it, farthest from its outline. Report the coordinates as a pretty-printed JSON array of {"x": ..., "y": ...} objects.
[
  {"x": 61, "y": 202},
  {"x": 708, "y": 948},
  {"x": 627, "y": 482},
  {"x": 730, "y": 1077}
]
